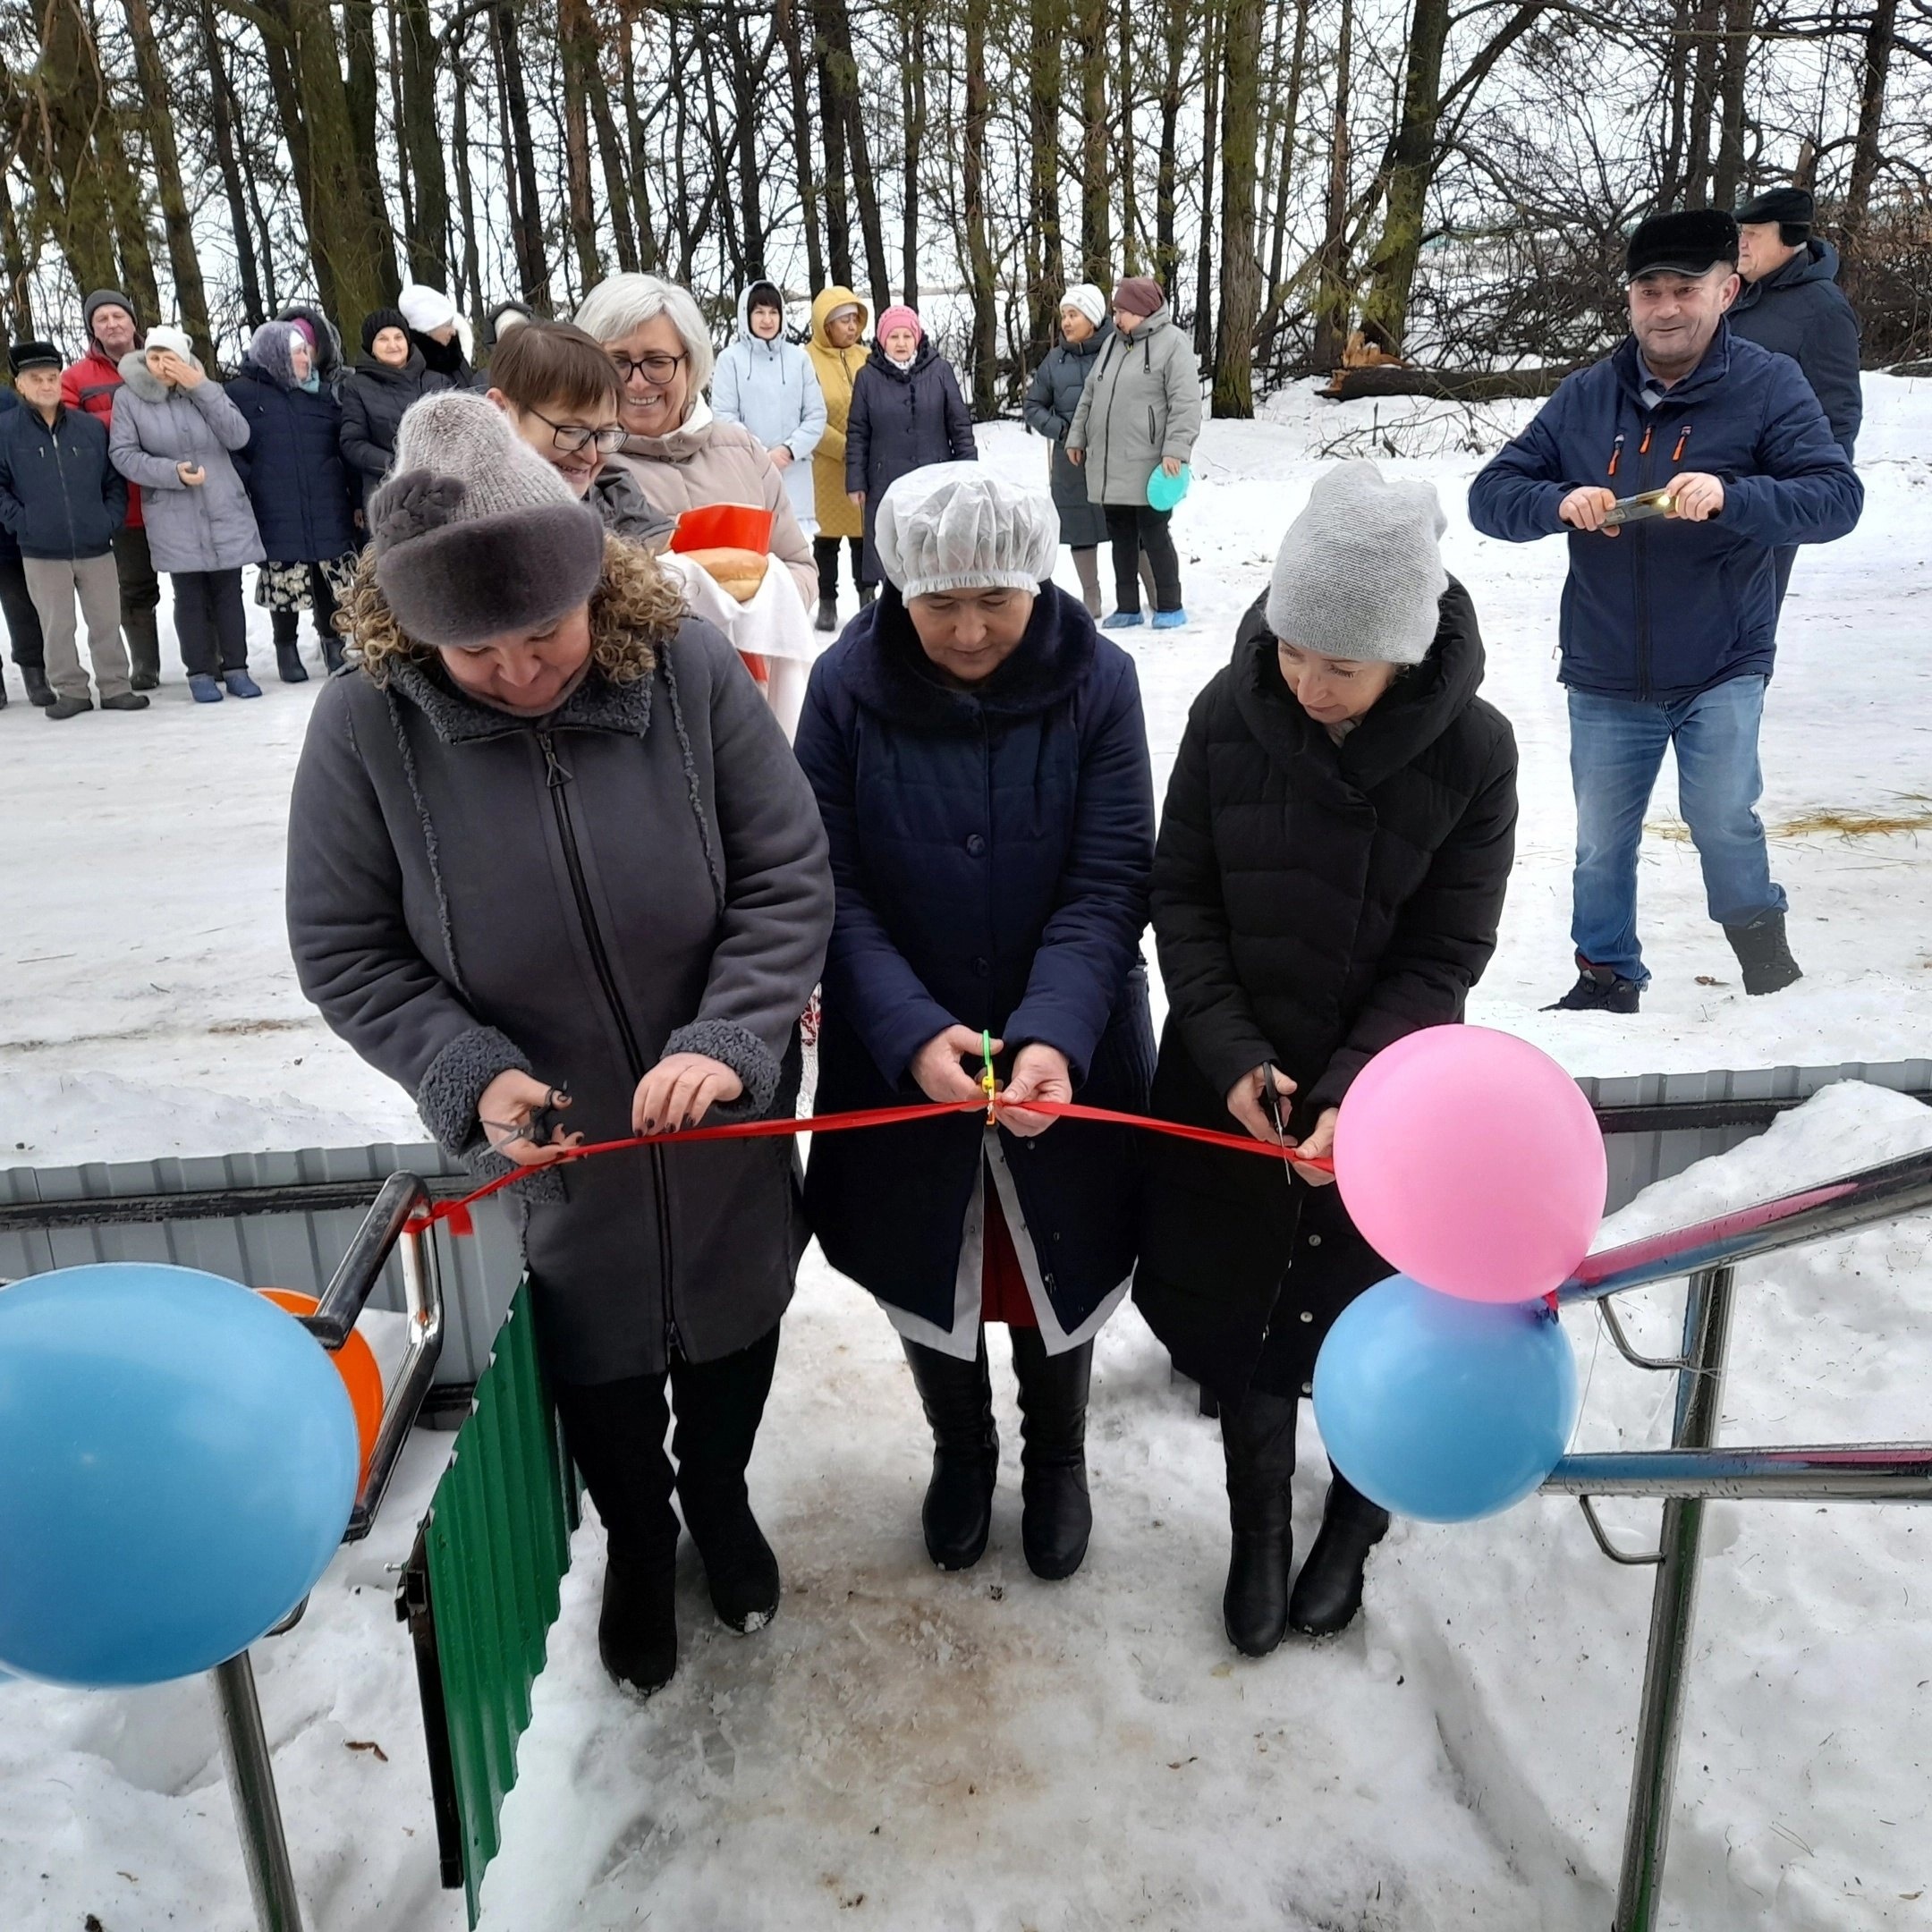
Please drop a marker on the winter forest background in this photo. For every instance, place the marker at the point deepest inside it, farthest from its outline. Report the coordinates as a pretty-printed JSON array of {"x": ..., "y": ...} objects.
[{"x": 1461, "y": 174}]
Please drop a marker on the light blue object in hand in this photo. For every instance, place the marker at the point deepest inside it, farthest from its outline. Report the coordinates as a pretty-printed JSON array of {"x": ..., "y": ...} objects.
[
  {"x": 1164, "y": 491},
  {"x": 178, "y": 1460}
]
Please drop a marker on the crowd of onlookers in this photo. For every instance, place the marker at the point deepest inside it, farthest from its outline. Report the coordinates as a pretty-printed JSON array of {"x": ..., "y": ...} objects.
[{"x": 135, "y": 462}]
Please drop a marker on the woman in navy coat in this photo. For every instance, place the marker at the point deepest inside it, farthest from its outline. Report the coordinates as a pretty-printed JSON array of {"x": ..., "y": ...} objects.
[
  {"x": 303, "y": 500},
  {"x": 980, "y": 759}
]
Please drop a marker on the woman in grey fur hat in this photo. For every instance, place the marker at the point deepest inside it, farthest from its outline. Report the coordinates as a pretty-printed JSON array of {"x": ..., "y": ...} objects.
[{"x": 547, "y": 835}]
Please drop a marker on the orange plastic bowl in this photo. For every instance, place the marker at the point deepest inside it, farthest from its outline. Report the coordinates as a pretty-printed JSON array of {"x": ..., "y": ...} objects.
[{"x": 355, "y": 1363}]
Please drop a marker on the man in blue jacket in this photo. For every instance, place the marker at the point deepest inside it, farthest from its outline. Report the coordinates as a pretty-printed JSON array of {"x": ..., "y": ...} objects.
[
  {"x": 1669, "y": 625},
  {"x": 62, "y": 501}
]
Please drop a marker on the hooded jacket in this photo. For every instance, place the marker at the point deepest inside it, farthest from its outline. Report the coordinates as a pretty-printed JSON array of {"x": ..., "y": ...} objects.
[
  {"x": 1052, "y": 399},
  {"x": 292, "y": 466},
  {"x": 1667, "y": 609},
  {"x": 640, "y": 873},
  {"x": 1312, "y": 903},
  {"x": 1801, "y": 312},
  {"x": 60, "y": 496},
  {"x": 901, "y": 420},
  {"x": 705, "y": 460},
  {"x": 89, "y": 384},
  {"x": 771, "y": 388},
  {"x": 837, "y": 369},
  {"x": 1141, "y": 405},
  {"x": 990, "y": 850},
  {"x": 210, "y": 526},
  {"x": 329, "y": 364},
  {"x": 374, "y": 400}
]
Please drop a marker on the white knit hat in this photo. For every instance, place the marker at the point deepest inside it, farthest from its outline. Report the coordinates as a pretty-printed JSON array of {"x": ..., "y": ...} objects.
[
  {"x": 426, "y": 309},
  {"x": 957, "y": 526},
  {"x": 475, "y": 535},
  {"x": 1090, "y": 301},
  {"x": 1360, "y": 573},
  {"x": 163, "y": 337}
]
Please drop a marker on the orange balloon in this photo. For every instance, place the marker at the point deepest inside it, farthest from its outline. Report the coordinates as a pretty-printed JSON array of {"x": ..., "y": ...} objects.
[{"x": 355, "y": 1363}]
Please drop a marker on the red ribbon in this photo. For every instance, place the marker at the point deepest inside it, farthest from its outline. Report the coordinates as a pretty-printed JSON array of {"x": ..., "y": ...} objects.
[{"x": 455, "y": 1214}]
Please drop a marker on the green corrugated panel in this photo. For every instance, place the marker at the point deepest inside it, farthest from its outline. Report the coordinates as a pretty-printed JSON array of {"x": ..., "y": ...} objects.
[{"x": 498, "y": 1543}]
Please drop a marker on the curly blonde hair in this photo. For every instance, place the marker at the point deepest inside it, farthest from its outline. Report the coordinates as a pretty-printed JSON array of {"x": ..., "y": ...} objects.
[{"x": 634, "y": 609}]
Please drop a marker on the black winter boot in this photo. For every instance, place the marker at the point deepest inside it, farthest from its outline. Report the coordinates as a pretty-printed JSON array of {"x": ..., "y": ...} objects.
[
  {"x": 828, "y": 619},
  {"x": 719, "y": 1407},
  {"x": 958, "y": 1400},
  {"x": 1328, "y": 1592},
  {"x": 1257, "y": 1439},
  {"x": 868, "y": 593},
  {"x": 1056, "y": 1516},
  {"x": 289, "y": 664},
  {"x": 615, "y": 1431},
  {"x": 1598, "y": 989},
  {"x": 38, "y": 691},
  {"x": 332, "y": 654},
  {"x": 1762, "y": 953}
]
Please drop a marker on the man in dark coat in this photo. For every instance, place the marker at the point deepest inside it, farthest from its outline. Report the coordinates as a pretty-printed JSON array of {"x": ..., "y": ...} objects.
[
  {"x": 1337, "y": 837},
  {"x": 906, "y": 412},
  {"x": 991, "y": 836},
  {"x": 22, "y": 621},
  {"x": 1669, "y": 625}
]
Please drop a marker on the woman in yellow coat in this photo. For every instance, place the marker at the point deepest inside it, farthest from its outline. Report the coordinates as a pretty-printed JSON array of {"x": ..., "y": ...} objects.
[{"x": 838, "y": 321}]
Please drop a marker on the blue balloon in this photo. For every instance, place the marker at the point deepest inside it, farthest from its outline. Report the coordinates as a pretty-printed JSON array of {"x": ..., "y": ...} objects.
[
  {"x": 1443, "y": 1408},
  {"x": 178, "y": 1460},
  {"x": 1164, "y": 491}
]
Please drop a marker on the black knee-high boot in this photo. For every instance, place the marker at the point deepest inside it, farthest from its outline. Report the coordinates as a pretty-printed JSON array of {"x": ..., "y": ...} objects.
[
  {"x": 719, "y": 1407},
  {"x": 615, "y": 1431},
  {"x": 1329, "y": 1590},
  {"x": 958, "y": 1400},
  {"x": 1258, "y": 1439},
  {"x": 1056, "y": 1515}
]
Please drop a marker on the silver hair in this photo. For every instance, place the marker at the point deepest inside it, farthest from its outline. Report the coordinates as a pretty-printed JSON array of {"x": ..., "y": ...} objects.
[{"x": 614, "y": 308}]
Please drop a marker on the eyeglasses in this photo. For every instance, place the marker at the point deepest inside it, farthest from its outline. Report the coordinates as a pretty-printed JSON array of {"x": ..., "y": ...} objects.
[
  {"x": 654, "y": 368},
  {"x": 572, "y": 437}
]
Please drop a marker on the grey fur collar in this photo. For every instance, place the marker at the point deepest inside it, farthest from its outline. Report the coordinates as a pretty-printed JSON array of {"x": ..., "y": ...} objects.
[
  {"x": 596, "y": 704},
  {"x": 144, "y": 384}
]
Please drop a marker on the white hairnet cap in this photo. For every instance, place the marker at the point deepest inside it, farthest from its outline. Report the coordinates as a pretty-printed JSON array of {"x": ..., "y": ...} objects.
[{"x": 956, "y": 526}]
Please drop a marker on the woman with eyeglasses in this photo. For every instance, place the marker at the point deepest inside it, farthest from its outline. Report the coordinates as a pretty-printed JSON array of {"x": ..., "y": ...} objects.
[
  {"x": 563, "y": 397},
  {"x": 682, "y": 456}
]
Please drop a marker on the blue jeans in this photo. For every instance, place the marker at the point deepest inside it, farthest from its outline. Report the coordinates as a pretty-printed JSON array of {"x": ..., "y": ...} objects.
[{"x": 1616, "y": 745}]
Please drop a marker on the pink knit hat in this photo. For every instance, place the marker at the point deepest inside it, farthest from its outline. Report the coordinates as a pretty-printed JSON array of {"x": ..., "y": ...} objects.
[{"x": 899, "y": 317}]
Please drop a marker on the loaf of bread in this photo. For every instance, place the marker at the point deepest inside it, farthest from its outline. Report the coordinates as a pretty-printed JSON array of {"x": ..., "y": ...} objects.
[{"x": 738, "y": 572}]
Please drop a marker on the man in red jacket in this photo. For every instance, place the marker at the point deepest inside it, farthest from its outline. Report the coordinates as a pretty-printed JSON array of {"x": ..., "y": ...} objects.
[{"x": 89, "y": 384}]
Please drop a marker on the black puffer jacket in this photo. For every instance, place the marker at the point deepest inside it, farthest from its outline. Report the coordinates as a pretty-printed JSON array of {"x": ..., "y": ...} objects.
[
  {"x": 1051, "y": 399},
  {"x": 1312, "y": 903},
  {"x": 373, "y": 400},
  {"x": 901, "y": 420}
]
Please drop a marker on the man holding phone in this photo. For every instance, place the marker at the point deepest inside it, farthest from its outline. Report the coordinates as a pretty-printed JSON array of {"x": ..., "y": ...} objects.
[{"x": 1670, "y": 618}]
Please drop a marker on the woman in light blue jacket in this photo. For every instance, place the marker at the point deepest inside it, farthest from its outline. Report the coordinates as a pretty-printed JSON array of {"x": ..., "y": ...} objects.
[{"x": 768, "y": 386}]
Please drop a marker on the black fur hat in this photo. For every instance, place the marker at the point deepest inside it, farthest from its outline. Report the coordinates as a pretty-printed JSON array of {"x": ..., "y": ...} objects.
[{"x": 1691, "y": 242}]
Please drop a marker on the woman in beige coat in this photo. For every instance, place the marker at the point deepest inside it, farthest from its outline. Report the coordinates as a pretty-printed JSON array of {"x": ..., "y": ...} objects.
[
  {"x": 681, "y": 454},
  {"x": 838, "y": 353}
]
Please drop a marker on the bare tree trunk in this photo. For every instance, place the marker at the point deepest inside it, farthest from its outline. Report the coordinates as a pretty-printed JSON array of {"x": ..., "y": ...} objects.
[
  {"x": 801, "y": 141},
  {"x": 1704, "y": 27},
  {"x": 1130, "y": 187},
  {"x": 832, "y": 128},
  {"x": 59, "y": 116},
  {"x": 1285, "y": 168},
  {"x": 1868, "y": 145},
  {"x": 428, "y": 237},
  {"x": 1091, "y": 53},
  {"x": 649, "y": 254},
  {"x": 362, "y": 88},
  {"x": 611, "y": 155},
  {"x": 17, "y": 301},
  {"x": 1211, "y": 118},
  {"x": 1240, "y": 271},
  {"x": 912, "y": 120},
  {"x": 473, "y": 270},
  {"x": 1733, "y": 70},
  {"x": 1046, "y": 76},
  {"x": 979, "y": 255},
  {"x": 533, "y": 266},
  {"x": 1410, "y": 168},
  {"x": 191, "y": 294},
  {"x": 1332, "y": 290},
  {"x": 221, "y": 127},
  {"x": 748, "y": 71},
  {"x": 1167, "y": 184},
  {"x": 1676, "y": 85},
  {"x": 577, "y": 43}
]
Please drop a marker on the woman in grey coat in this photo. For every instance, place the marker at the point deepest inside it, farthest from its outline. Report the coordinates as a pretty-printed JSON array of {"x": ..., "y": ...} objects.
[
  {"x": 547, "y": 835},
  {"x": 173, "y": 428},
  {"x": 1140, "y": 412},
  {"x": 1052, "y": 398}
]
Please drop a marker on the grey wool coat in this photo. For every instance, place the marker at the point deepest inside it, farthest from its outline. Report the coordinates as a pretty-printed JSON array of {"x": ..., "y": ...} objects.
[
  {"x": 211, "y": 525},
  {"x": 1141, "y": 403},
  {"x": 641, "y": 873}
]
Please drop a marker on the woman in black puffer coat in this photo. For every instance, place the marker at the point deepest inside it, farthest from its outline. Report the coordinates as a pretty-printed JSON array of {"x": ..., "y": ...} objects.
[
  {"x": 389, "y": 375},
  {"x": 1338, "y": 834},
  {"x": 291, "y": 465}
]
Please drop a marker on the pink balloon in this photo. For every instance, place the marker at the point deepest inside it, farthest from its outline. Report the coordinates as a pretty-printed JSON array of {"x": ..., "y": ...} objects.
[{"x": 1472, "y": 1162}]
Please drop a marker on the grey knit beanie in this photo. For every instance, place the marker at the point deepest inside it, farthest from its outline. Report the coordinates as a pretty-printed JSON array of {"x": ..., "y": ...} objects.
[
  {"x": 1359, "y": 574},
  {"x": 956, "y": 526},
  {"x": 475, "y": 535}
]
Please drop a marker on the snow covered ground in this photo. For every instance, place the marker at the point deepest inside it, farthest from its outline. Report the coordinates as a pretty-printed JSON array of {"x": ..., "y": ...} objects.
[{"x": 922, "y": 1751}]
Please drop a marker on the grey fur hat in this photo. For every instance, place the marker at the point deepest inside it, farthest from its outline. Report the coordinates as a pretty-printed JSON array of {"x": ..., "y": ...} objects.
[
  {"x": 475, "y": 535},
  {"x": 1359, "y": 574}
]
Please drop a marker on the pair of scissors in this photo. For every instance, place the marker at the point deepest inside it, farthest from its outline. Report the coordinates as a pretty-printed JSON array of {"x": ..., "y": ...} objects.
[{"x": 1271, "y": 1105}]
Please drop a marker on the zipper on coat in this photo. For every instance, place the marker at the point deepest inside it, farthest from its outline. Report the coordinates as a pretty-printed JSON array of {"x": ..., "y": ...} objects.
[{"x": 556, "y": 778}]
